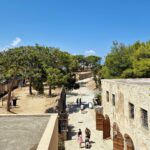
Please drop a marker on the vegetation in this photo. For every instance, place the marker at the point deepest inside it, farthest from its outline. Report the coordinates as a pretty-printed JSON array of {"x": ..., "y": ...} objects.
[
  {"x": 92, "y": 63},
  {"x": 41, "y": 65},
  {"x": 131, "y": 61}
]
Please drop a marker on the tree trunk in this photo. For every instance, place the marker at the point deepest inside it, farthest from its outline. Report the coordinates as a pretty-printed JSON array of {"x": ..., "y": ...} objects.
[
  {"x": 30, "y": 87},
  {"x": 40, "y": 88},
  {"x": 9, "y": 94},
  {"x": 50, "y": 90}
]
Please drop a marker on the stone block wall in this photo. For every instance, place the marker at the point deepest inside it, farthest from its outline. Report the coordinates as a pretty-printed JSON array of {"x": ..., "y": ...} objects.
[
  {"x": 83, "y": 75},
  {"x": 49, "y": 140},
  {"x": 126, "y": 93}
]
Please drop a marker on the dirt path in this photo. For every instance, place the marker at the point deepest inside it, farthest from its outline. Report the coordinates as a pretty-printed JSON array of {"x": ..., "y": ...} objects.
[{"x": 78, "y": 119}]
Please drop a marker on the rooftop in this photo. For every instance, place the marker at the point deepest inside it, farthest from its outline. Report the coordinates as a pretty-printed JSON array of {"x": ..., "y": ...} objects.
[
  {"x": 21, "y": 132},
  {"x": 136, "y": 81}
]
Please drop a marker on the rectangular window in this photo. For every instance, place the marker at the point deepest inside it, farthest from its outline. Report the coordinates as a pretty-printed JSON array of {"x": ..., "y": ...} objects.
[
  {"x": 131, "y": 111},
  {"x": 107, "y": 96},
  {"x": 113, "y": 99},
  {"x": 144, "y": 115}
]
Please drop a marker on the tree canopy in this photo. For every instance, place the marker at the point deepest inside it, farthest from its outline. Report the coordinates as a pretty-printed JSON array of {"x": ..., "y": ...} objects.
[
  {"x": 39, "y": 65},
  {"x": 128, "y": 61}
]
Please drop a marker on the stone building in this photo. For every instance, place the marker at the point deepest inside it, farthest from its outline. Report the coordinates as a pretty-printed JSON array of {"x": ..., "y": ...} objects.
[
  {"x": 125, "y": 118},
  {"x": 83, "y": 75}
]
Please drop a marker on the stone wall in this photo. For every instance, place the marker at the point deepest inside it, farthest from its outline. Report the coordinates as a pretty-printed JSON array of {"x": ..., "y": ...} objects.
[
  {"x": 49, "y": 140},
  {"x": 83, "y": 75},
  {"x": 136, "y": 94}
]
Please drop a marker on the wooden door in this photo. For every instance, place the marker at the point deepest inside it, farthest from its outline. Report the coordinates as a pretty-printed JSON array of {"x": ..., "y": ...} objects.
[
  {"x": 106, "y": 128},
  {"x": 130, "y": 147},
  {"x": 99, "y": 121},
  {"x": 129, "y": 142},
  {"x": 118, "y": 142}
]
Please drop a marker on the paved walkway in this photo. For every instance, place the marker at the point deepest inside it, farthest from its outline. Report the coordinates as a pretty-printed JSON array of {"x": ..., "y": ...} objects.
[{"x": 78, "y": 119}]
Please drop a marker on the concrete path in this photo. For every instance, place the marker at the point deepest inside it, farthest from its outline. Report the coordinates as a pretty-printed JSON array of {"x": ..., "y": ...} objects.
[{"x": 78, "y": 119}]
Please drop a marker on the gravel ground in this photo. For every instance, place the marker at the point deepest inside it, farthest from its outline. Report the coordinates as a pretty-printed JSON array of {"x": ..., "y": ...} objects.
[{"x": 86, "y": 118}]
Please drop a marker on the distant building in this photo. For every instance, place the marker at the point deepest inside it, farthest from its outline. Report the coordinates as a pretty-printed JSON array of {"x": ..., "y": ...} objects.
[
  {"x": 83, "y": 75},
  {"x": 126, "y": 113},
  {"x": 29, "y": 132}
]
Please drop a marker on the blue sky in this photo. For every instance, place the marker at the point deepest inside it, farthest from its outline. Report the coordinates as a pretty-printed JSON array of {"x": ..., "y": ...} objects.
[{"x": 77, "y": 26}]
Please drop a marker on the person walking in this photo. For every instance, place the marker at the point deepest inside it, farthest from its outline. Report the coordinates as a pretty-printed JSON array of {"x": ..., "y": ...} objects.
[
  {"x": 77, "y": 101},
  {"x": 88, "y": 133},
  {"x": 80, "y": 102},
  {"x": 80, "y": 139}
]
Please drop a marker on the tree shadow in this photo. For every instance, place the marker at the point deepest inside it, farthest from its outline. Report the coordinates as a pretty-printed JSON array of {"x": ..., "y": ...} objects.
[
  {"x": 82, "y": 85},
  {"x": 82, "y": 94},
  {"x": 86, "y": 105},
  {"x": 53, "y": 95},
  {"x": 73, "y": 108},
  {"x": 72, "y": 94},
  {"x": 71, "y": 132},
  {"x": 36, "y": 95},
  {"x": 51, "y": 110},
  {"x": 82, "y": 82}
]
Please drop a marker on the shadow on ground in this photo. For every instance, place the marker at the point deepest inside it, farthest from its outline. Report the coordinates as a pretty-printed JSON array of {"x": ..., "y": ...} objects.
[
  {"x": 73, "y": 108},
  {"x": 82, "y": 82},
  {"x": 51, "y": 110},
  {"x": 82, "y": 85},
  {"x": 70, "y": 94},
  {"x": 42, "y": 95},
  {"x": 71, "y": 132}
]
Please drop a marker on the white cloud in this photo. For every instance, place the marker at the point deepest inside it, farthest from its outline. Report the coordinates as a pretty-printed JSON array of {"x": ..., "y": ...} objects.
[
  {"x": 4, "y": 48},
  {"x": 16, "y": 42},
  {"x": 90, "y": 52}
]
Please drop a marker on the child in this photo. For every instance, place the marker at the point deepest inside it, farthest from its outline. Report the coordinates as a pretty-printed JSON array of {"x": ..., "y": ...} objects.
[{"x": 80, "y": 140}]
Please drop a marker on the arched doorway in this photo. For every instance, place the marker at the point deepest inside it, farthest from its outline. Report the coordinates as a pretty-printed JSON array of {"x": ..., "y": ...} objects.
[
  {"x": 99, "y": 121},
  {"x": 118, "y": 141},
  {"x": 128, "y": 142},
  {"x": 106, "y": 127}
]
